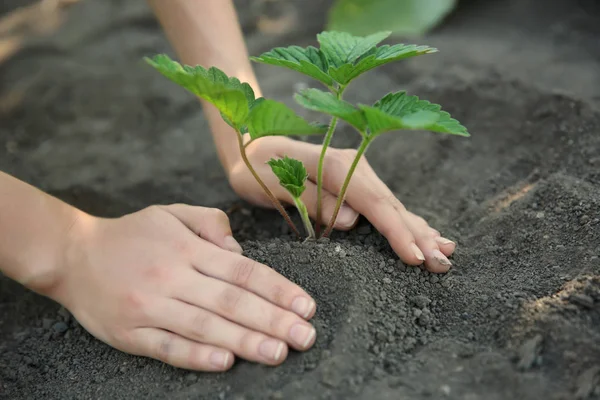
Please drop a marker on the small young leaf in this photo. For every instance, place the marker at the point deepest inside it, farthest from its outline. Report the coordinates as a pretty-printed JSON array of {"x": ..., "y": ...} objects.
[
  {"x": 401, "y": 111},
  {"x": 342, "y": 48},
  {"x": 308, "y": 61},
  {"x": 271, "y": 118},
  {"x": 231, "y": 97},
  {"x": 291, "y": 174},
  {"x": 233, "y": 83},
  {"x": 317, "y": 100},
  {"x": 382, "y": 55}
]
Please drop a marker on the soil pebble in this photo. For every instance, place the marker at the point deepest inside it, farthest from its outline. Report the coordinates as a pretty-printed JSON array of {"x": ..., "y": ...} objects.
[{"x": 517, "y": 316}]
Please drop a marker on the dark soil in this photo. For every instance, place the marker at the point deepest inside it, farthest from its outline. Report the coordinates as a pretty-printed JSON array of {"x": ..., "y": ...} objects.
[{"x": 518, "y": 317}]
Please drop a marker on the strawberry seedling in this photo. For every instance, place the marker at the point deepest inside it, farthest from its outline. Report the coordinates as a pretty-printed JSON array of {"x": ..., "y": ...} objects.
[
  {"x": 339, "y": 60},
  {"x": 240, "y": 109}
]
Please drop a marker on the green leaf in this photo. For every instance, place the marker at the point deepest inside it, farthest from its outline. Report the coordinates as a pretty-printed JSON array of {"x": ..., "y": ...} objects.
[
  {"x": 317, "y": 100},
  {"x": 231, "y": 97},
  {"x": 380, "y": 122},
  {"x": 271, "y": 118},
  {"x": 291, "y": 174},
  {"x": 308, "y": 61},
  {"x": 342, "y": 56},
  {"x": 401, "y": 111},
  {"x": 342, "y": 48},
  {"x": 402, "y": 17},
  {"x": 382, "y": 55}
]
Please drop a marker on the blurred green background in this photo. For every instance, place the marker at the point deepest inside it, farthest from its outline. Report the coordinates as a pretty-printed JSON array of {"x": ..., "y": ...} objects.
[{"x": 402, "y": 17}]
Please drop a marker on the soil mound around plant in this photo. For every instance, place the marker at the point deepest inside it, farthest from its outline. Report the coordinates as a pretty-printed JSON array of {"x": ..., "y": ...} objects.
[{"x": 518, "y": 315}]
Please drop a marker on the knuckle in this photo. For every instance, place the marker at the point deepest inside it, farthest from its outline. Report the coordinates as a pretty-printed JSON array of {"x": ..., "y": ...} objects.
[
  {"x": 161, "y": 274},
  {"x": 181, "y": 246},
  {"x": 230, "y": 299},
  {"x": 387, "y": 197},
  {"x": 236, "y": 175},
  {"x": 194, "y": 359},
  {"x": 217, "y": 214},
  {"x": 338, "y": 158},
  {"x": 247, "y": 343},
  {"x": 242, "y": 272},
  {"x": 220, "y": 215},
  {"x": 247, "y": 188},
  {"x": 198, "y": 359},
  {"x": 379, "y": 197},
  {"x": 201, "y": 325},
  {"x": 278, "y": 320},
  {"x": 329, "y": 203},
  {"x": 153, "y": 209},
  {"x": 277, "y": 294},
  {"x": 164, "y": 348},
  {"x": 122, "y": 338},
  {"x": 135, "y": 306},
  {"x": 349, "y": 154},
  {"x": 420, "y": 222}
]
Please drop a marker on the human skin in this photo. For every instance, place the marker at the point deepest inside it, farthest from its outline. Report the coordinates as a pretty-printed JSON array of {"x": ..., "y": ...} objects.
[
  {"x": 169, "y": 282},
  {"x": 208, "y": 33}
]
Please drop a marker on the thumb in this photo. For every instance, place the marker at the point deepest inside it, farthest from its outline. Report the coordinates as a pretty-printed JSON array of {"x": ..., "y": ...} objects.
[{"x": 211, "y": 224}]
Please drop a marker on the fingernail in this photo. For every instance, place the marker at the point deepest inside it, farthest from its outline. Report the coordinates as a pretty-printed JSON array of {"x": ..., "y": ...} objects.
[
  {"x": 417, "y": 252},
  {"x": 219, "y": 359},
  {"x": 443, "y": 240},
  {"x": 233, "y": 245},
  {"x": 347, "y": 217},
  {"x": 302, "y": 334},
  {"x": 441, "y": 258},
  {"x": 271, "y": 349},
  {"x": 303, "y": 306}
]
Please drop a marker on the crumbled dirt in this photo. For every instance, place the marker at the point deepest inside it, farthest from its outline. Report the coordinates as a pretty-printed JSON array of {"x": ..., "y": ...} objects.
[{"x": 518, "y": 317}]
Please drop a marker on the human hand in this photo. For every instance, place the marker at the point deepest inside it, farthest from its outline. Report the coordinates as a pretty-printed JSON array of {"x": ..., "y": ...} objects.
[
  {"x": 410, "y": 236},
  {"x": 168, "y": 282}
]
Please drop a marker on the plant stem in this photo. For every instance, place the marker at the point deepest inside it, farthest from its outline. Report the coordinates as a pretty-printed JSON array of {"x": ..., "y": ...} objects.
[
  {"x": 326, "y": 143},
  {"x": 332, "y": 125},
  {"x": 304, "y": 214},
  {"x": 276, "y": 203},
  {"x": 361, "y": 150}
]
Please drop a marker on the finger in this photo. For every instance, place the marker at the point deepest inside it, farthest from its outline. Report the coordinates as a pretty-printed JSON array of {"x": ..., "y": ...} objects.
[
  {"x": 426, "y": 234},
  {"x": 347, "y": 217},
  {"x": 180, "y": 352},
  {"x": 382, "y": 213},
  {"x": 254, "y": 277},
  {"x": 247, "y": 309},
  {"x": 366, "y": 194},
  {"x": 206, "y": 327},
  {"x": 435, "y": 260},
  {"x": 210, "y": 224},
  {"x": 369, "y": 196},
  {"x": 446, "y": 246}
]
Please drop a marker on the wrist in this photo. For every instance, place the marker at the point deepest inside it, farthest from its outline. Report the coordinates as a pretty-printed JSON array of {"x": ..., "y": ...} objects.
[{"x": 50, "y": 280}]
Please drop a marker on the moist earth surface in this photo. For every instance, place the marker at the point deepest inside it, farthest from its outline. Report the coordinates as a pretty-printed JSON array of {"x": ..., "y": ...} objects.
[{"x": 517, "y": 317}]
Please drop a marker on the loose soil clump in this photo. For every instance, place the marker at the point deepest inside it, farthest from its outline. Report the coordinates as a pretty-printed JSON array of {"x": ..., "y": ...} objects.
[{"x": 517, "y": 317}]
